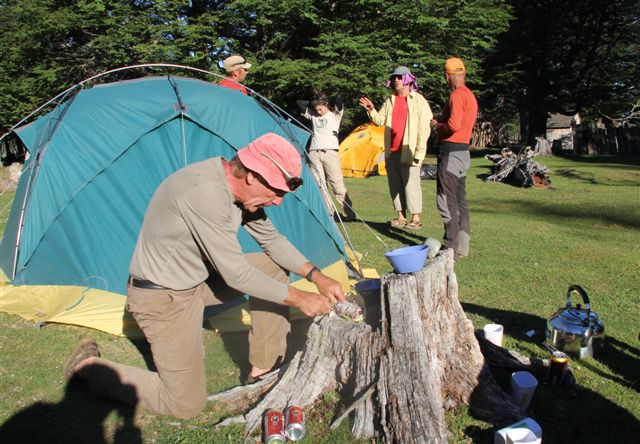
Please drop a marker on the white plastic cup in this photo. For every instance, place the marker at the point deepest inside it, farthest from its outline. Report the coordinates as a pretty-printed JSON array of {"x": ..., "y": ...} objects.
[
  {"x": 522, "y": 436},
  {"x": 493, "y": 333},
  {"x": 523, "y": 386},
  {"x": 500, "y": 437}
]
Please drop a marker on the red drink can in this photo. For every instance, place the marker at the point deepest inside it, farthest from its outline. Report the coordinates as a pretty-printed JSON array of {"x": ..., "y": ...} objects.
[
  {"x": 273, "y": 427},
  {"x": 295, "y": 429},
  {"x": 557, "y": 363}
]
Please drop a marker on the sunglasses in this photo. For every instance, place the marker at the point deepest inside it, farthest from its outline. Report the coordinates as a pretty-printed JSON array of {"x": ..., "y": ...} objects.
[
  {"x": 293, "y": 182},
  {"x": 239, "y": 63},
  {"x": 396, "y": 77}
]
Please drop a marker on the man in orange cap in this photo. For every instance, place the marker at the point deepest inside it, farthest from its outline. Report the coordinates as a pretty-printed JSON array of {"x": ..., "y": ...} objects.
[
  {"x": 188, "y": 257},
  {"x": 454, "y": 130},
  {"x": 236, "y": 68}
]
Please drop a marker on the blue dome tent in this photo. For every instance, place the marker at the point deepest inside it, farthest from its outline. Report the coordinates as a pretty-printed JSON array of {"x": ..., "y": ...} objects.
[{"x": 94, "y": 163}]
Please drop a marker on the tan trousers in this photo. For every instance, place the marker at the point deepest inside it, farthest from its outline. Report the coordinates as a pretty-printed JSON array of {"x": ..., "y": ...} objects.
[
  {"x": 404, "y": 185},
  {"x": 327, "y": 169},
  {"x": 172, "y": 323}
]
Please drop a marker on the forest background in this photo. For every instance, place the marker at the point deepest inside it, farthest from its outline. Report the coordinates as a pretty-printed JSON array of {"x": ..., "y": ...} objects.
[{"x": 524, "y": 59}]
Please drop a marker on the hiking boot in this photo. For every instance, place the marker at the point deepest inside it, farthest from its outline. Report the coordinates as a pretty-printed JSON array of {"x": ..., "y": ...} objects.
[{"x": 86, "y": 348}]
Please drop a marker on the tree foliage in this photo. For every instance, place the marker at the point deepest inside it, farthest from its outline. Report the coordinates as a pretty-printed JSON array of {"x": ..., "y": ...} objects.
[
  {"x": 340, "y": 47},
  {"x": 48, "y": 45},
  {"x": 567, "y": 56},
  {"x": 351, "y": 47},
  {"x": 520, "y": 56}
]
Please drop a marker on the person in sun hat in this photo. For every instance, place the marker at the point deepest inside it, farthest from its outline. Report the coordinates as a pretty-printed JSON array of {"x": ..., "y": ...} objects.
[
  {"x": 454, "y": 128},
  {"x": 236, "y": 68},
  {"x": 188, "y": 256},
  {"x": 405, "y": 115}
]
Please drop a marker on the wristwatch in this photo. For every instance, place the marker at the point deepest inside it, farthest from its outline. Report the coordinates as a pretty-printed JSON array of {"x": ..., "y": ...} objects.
[{"x": 310, "y": 274}]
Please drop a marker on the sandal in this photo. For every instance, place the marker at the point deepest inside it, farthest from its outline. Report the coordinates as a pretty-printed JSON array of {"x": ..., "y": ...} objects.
[
  {"x": 413, "y": 225},
  {"x": 398, "y": 223}
]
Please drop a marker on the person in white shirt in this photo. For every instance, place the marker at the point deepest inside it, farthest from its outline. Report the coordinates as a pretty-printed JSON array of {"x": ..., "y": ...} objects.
[{"x": 323, "y": 151}]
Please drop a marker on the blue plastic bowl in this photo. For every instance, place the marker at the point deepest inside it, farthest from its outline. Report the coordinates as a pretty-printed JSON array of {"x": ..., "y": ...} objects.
[{"x": 408, "y": 259}]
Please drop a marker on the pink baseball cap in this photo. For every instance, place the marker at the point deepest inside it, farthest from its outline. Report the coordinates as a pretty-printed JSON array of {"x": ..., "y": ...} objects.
[{"x": 275, "y": 159}]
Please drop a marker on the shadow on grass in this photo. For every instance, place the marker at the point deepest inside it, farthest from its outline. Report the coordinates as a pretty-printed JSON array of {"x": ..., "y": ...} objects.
[
  {"x": 516, "y": 324},
  {"x": 589, "y": 178},
  {"x": 603, "y": 160},
  {"x": 481, "y": 152},
  {"x": 405, "y": 237},
  {"x": 622, "y": 359},
  {"x": 236, "y": 344},
  {"x": 563, "y": 213},
  {"x": 565, "y": 415},
  {"x": 78, "y": 418},
  {"x": 483, "y": 176}
]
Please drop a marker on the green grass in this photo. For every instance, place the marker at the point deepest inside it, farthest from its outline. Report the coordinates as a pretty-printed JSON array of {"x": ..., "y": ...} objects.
[{"x": 528, "y": 246}]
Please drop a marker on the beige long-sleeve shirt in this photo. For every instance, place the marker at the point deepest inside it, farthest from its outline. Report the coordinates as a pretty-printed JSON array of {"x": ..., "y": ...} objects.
[
  {"x": 192, "y": 220},
  {"x": 417, "y": 128}
]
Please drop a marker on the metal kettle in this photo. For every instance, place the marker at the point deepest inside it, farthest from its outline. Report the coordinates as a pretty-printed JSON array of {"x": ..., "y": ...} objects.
[{"x": 576, "y": 330}]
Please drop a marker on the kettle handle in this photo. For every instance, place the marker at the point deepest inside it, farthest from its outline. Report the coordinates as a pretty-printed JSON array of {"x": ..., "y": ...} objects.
[{"x": 581, "y": 291}]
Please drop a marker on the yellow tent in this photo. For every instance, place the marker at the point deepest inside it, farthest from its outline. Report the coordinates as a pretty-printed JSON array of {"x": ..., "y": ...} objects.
[{"x": 362, "y": 151}]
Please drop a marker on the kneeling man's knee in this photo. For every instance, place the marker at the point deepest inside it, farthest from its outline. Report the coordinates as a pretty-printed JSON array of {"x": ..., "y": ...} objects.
[{"x": 189, "y": 409}]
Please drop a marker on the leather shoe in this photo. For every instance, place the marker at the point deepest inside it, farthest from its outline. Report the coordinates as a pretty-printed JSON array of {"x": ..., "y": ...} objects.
[{"x": 86, "y": 348}]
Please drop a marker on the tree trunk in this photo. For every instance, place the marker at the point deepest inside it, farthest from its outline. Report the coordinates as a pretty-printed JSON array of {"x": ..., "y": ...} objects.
[{"x": 414, "y": 357}]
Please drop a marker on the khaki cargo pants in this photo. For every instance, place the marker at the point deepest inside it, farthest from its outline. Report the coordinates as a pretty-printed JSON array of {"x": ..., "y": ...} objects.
[
  {"x": 172, "y": 323},
  {"x": 405, "y": 187},
  {"x": 327, "y": 170}
]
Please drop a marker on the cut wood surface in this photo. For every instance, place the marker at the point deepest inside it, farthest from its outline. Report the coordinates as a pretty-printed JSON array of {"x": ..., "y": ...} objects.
[{"x": 415, "y": 357}]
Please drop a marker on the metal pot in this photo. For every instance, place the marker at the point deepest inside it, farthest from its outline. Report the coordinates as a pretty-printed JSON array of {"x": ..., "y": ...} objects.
[{"x": 576, "y": 330}]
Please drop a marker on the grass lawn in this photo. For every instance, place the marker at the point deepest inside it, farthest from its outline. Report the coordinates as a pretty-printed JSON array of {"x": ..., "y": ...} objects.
[{"x": 528, "y": 246}]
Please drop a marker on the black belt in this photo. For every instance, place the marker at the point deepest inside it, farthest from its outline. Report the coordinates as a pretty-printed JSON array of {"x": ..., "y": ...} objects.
[{"x": 142, "y": 283}]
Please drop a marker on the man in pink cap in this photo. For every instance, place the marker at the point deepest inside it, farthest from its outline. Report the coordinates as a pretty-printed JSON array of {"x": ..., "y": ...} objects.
[{"x": 188, "y": 257}]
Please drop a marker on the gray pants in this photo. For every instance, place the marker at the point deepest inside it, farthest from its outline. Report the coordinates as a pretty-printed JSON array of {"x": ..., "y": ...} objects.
[{"x": 452, "y": 196}]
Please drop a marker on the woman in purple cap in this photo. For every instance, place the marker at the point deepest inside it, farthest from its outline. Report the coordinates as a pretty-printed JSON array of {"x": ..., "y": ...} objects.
[{"x": 405, "y": 115}]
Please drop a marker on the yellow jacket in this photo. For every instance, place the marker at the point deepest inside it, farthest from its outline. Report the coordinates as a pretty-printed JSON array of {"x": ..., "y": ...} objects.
[{"x": 416, "y": 131}]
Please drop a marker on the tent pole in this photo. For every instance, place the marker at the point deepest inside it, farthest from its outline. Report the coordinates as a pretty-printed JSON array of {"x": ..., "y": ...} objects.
[{"x": 35, "y": 166}]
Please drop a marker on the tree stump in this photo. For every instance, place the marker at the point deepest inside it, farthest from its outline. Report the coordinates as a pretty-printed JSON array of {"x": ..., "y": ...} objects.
[{"x": 415, "y": 357}]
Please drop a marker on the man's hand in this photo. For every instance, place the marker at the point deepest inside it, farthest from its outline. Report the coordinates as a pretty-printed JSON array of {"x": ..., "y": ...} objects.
[
  {"x": 366, "y": 103},
  {"x": 311, "y": 304},
  {"x": 434, "y": 122},
  {"x": 329, "y": 288}
]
